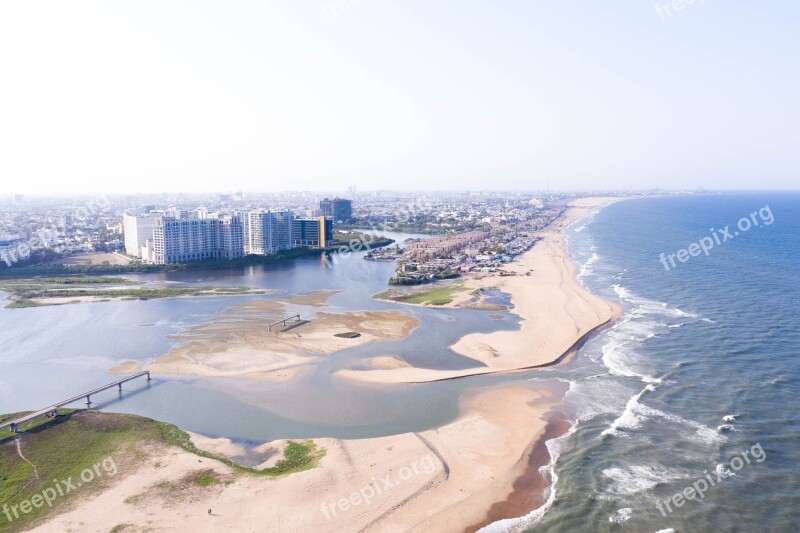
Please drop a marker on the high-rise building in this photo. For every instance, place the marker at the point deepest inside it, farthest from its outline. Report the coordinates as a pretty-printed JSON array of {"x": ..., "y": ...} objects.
[
  {"x": 267, "y": 232},
  {"x": 137, "y": 230},
  {"x": 339, "y": 209},
  {"x": 183, "y": 240},
  {"x": 282, "y": 233},
  {"x": 232, "y": 237},
  {"x": 257, "y": 226},
  {"x": 314, "y": 232}
]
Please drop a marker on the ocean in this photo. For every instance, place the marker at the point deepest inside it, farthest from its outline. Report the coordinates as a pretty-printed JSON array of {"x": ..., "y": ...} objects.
[{"x": 686, "y": 412}]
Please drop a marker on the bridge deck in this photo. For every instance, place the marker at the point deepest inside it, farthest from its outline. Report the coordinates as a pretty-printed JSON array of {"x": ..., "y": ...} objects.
[{"x": 14, "y": 424}]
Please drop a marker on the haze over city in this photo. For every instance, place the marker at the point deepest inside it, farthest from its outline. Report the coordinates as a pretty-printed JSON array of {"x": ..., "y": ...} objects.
[{"x": 103, "y": 97}]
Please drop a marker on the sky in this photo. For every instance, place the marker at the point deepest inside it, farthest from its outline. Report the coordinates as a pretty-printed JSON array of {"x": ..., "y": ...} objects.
[{"x": 196, "y": 96}]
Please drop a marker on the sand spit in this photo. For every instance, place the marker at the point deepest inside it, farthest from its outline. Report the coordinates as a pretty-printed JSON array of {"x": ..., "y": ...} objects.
[{"x": 556, "y": 312}]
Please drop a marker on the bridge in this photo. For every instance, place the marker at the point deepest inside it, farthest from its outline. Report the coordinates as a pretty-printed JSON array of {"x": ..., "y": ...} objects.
[
  {"x": 283, "y": 322},
  {"x": 52, "y": 410}
]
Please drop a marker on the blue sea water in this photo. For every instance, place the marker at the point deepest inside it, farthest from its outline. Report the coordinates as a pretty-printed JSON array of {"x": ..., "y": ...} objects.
[{"x": 702, "y": 366}]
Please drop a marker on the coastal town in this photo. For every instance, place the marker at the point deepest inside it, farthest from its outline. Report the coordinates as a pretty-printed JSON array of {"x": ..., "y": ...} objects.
[
  {"x": 459, "y": 232},
  {"x": 501, "y": 234}
]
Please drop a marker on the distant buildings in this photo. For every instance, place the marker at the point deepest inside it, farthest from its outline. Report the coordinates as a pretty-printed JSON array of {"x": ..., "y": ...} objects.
[
  {"x": 442, "y": 246},
  {"x": 182, "y": 236},
  {"x": 13, "y": 249},
  {"x": 338, "y": 209}
]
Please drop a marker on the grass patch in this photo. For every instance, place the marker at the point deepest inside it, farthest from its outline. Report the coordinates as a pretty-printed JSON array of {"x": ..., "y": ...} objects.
[
  {"x": 21, "y": 303},
  {"x": 25, "y": 290},
  {"x": 64, "y": 447},
  {"x": 205, "y": 478},
  {"x": 297, "y": 457},
  {"x": 441, "y": 295}
]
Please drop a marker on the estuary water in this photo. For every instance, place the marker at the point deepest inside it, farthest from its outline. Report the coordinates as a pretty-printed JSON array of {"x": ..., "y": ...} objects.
[{"x": 51, "y": 353}]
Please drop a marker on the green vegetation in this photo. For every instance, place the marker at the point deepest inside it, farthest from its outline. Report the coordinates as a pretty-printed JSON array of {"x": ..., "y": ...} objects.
[
  {"x": 297, "y": 457},
  {"x": 25, "y": 290},
  {"x": 205, "y": 478},
  {"x": 109, "y": 445},
  {"x": 438, "y": 295},
  {"x": 21, "y": 304},
  {"x": 348, "y": 335},
  {"x": 62, "y": 449},
  {"x": 358, "y": 241}
]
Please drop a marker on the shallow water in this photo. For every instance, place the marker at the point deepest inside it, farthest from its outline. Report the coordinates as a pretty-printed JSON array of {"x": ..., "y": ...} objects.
[{"x": 51, "y": 353}]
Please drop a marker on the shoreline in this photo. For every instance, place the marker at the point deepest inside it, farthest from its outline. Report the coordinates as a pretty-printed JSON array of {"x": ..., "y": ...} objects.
[
  {"x": 556, "y": 312},
  {"x": 529, "y": 488},
  {"x": 487, "y": 464}
]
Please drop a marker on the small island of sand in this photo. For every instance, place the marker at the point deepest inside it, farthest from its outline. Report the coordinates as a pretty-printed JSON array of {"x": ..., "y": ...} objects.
[{"x": 238, "y": 341}]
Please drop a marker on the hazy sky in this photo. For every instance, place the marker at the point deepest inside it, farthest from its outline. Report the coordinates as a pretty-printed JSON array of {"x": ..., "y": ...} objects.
[{"x": 143, "y": 96}]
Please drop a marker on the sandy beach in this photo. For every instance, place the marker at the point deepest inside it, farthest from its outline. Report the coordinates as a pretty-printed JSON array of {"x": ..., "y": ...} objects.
[
  {"x": 556, "y": 312},
  {"x": 439, "y": 480}
]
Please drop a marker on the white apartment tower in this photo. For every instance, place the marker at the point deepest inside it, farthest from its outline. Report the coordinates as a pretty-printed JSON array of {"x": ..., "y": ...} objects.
[
  {"x": 267, "y": 232},
  {"x": 136, "y": 231},
  {"x": 232, "y": 237}
]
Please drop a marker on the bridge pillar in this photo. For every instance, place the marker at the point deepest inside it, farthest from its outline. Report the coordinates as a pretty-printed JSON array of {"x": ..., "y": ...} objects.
[
  {"x": 120, "y": 386},
  {"x": 13, "y": 428},
  {"x": 88, "y": 402},
  {"x": 148, "y": 376}
]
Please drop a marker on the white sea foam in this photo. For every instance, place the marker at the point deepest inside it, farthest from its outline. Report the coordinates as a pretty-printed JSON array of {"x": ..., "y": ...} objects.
[
  {"x": 622, "y": 515},
  {"x": 726, "y": 427},
  {"x": 724, "y": 472},
  {"x": 619, "y": 354},
  {"x": 554, "y": 447},
  {"x": 636, "y": 413},
  {"x": 669, "y": 530},
  {"x": 647, "y": 306},
  {"x": 729, "y": 418},
  {"x": 586, "y": 267},
  {"x": 633, "y": 479}
]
